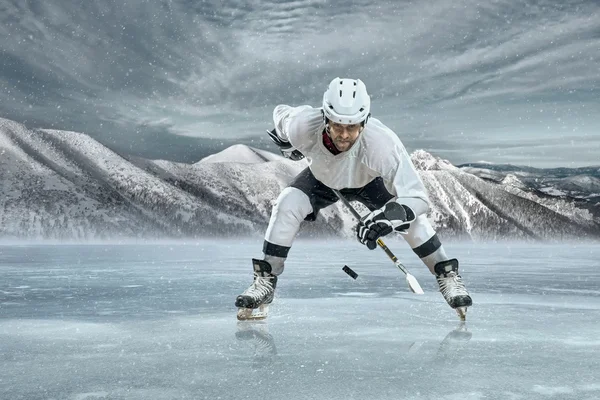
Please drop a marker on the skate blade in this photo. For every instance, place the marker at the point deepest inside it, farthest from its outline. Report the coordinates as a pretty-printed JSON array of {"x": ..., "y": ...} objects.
[
  {"x": 462, "y": 313},
  {"x": 253, "y": 314}
]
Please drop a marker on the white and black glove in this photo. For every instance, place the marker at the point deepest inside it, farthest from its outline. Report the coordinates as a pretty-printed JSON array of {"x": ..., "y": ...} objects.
[
  {"x": 392, "y": 216},
  {"x": 286, "y": 148}
]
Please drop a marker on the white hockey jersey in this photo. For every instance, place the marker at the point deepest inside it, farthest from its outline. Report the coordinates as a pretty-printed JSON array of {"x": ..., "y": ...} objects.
[{"x": 378, "y": 152}]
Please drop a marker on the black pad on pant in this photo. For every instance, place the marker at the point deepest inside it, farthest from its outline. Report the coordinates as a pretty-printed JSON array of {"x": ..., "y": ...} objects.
[
  {"x": 373, "y": 195},
  {"x": 429, "y": 247},
  {"x": 272, "y": 249}
]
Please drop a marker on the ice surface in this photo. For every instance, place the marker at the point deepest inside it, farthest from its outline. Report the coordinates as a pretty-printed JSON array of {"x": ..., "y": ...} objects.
[{"x": 158, "y": 322}]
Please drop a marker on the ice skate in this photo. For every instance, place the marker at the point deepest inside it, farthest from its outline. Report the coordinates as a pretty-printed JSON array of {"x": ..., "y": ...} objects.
[
  {"x": 253, "y": 304},
  {"x": 452, "y": 287}
]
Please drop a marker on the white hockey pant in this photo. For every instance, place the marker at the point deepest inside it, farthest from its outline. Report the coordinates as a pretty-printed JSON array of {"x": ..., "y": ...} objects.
[{"x": 293, "y": 205}]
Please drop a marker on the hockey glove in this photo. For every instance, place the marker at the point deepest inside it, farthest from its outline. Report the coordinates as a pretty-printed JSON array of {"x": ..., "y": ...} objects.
[
  {"x": 286, "y": 148},
  {"x": 292, "y": 154},
  {"x": 383, "y": 221}
]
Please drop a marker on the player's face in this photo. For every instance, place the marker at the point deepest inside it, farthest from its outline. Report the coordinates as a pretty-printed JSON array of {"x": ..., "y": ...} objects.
[{"x": 343, "y": 136}]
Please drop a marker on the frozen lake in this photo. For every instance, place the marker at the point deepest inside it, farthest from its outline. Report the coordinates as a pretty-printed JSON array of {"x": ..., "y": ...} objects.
[{"x": 158, "y": 322}]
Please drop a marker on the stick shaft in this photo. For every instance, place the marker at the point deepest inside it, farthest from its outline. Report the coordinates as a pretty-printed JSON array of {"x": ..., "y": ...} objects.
[
  {"x": 413, "y": 284},
  {"x": 347, "y": 204},
  {"x": 379, "y": 241},
  {"x": 391, "y": 255}
]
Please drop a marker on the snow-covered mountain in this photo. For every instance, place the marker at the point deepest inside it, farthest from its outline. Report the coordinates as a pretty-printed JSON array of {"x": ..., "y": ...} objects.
[
  {"x": 240, "y": 153},
  {"x": 65, "y": 185},
  {"x": 578, "y": 186},
  {"x": 575, "y": 183}
]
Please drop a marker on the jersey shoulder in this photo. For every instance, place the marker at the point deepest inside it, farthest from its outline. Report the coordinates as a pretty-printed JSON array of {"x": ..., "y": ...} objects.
[
  {"x": 378, "y": 137},
  {"x": 304, "y": 124},
  {"x": 383, "y": 149}
]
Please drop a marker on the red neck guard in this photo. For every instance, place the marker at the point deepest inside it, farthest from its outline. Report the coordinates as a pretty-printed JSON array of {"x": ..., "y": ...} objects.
[{"x": 329, "y": 144}]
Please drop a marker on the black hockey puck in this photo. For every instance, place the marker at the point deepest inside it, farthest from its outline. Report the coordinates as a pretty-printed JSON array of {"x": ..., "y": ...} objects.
[{"x": 350, "y": 272}]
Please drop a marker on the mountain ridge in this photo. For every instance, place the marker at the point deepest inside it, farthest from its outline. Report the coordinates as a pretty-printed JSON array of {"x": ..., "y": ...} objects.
[{"x": 65, "y": 185}]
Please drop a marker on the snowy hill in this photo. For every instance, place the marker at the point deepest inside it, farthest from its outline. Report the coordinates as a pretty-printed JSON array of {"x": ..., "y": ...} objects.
[
  {"x": 57, "y": 184},
  {"x": 242, "y": 154},
  {"x": 577, "y": 183},
  {"x": 579, "y": 187}
]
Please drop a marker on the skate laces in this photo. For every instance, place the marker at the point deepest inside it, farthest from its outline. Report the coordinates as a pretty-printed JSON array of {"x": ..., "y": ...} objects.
[
  {"x": 260, "y": 288},
  {"x": 452, "y": 285}
]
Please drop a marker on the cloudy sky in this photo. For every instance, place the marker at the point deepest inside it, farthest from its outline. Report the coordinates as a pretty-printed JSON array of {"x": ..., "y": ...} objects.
[{"x": 503, "y": 81}]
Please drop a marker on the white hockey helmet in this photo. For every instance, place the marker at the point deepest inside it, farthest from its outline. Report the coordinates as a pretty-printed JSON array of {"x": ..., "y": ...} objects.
[{"x": 346, "y": 101}]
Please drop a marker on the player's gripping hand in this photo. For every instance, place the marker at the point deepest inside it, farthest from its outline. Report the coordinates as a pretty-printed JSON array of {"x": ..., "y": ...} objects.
[{"x": 382, "y": 222}]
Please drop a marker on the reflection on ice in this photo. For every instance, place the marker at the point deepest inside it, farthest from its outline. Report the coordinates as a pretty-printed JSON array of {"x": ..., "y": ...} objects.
[
  {"x": 263, "y": 344},
  {"x": 263, "y": 349}
]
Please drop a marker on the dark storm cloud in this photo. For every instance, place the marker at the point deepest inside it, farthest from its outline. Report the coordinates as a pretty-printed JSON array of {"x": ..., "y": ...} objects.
[{"x": 450, "y": 76}]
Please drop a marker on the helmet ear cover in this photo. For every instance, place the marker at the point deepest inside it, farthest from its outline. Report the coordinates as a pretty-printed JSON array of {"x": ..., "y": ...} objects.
[{"x": 365, "y": 121}]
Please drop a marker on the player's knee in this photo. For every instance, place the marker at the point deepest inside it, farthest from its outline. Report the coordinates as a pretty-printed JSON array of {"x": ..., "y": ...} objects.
[
  {"x": 293, "y": 202},
  {"x": 419, "y": 232}
]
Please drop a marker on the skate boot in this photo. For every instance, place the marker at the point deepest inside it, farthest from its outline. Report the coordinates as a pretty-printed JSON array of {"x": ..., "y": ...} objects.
[
  {"x": 452, "y": 287},
  {"x": 254, "y": 302}
]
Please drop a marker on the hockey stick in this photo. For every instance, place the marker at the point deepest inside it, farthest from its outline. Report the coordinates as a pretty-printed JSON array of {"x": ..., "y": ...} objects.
[{"x": 413, "y": 284}]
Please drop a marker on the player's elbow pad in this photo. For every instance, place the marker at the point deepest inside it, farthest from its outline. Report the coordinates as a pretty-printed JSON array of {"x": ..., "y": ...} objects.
[{"x": 286, "y": 148}]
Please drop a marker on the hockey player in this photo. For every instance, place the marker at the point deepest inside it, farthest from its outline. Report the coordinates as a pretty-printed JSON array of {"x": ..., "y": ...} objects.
[{"x": 365, "y": 160}]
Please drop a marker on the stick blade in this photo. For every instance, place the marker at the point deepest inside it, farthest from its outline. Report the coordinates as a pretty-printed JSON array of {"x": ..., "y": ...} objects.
[{"x": 413, "y": 284}]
